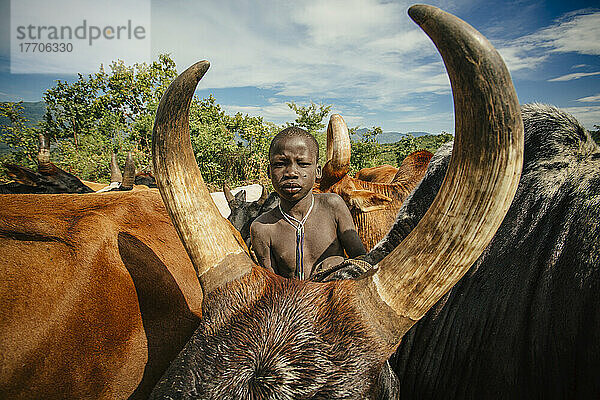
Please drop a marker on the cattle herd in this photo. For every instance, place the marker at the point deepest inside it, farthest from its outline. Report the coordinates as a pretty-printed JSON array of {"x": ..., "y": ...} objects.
[{"x": 482, "y": 278}]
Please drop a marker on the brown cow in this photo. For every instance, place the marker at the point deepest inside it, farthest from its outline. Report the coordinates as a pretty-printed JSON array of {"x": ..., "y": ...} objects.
[
  {"x": 379, "y": 174},
  {"x": 98, "y": 295},
  {"x": 48, "y": 179},
  {"x": 373, "y": 205},
  {"x": 263, "y": 336}
]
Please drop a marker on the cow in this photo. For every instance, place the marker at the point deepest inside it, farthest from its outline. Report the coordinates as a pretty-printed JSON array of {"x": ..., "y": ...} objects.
[
  {"x": 97, "y": 295},
  {"x": 524, "y": 322},
  {"x": 262, "y": 336},
  {"x": 48, "y": 179},
  {"x": 373, "y": 205},
  {"x": 145, "y": 178},
  {"x": 243, "y": 212},
  {"x": 380, "y": 174},
  {"x": 26, "y": 180},
  {"x": 237, "y": 197}
]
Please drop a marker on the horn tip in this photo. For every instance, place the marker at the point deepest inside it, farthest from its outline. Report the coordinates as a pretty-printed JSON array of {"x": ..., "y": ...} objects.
[
  {"x": 421, "y": 12},
  {"x": 335, "y": 117},
  {"x": 200, "y": 68}
]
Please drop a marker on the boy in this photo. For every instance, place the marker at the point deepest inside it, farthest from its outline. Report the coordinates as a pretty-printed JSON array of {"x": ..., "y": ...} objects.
[{"x": 306, "y": 228}]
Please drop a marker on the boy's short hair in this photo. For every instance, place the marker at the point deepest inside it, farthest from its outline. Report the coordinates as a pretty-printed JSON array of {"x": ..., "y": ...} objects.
[{"x": 294, "y": 131}]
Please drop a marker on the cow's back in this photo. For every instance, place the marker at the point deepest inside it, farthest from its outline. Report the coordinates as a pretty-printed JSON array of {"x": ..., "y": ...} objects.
[{"x": 98, "y": 295}]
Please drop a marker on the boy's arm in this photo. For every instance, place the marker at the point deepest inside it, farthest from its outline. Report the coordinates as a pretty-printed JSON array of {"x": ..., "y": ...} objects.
[
  {"x": 346, "y": 230},
  {"x": 260, "y": 244}
]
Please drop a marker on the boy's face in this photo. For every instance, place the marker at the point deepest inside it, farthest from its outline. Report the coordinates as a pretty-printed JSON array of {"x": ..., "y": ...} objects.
[{"x": 293, "y": 168}]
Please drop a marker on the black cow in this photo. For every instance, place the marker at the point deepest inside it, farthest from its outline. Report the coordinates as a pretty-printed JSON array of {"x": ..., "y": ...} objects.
[
  {"x": 145, "y": 178},
  {"x": 524, "y": 322},
  {"x": 50, "y": 180},
  {"x": 243, "y": 212}
]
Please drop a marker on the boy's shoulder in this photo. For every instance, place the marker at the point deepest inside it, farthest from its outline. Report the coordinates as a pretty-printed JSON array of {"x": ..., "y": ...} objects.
[
  {"x": 268, "y": 218},
  {"x": 332, "y": 200}
]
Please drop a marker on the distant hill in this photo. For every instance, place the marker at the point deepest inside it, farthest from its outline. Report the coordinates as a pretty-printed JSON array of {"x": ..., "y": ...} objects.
[
  {"x": 32, "y": 110},
  {"x": 389, "y": 137}
]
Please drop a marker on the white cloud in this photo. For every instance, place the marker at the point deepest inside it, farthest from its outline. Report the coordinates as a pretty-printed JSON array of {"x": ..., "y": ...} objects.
[
  {"x": 574, "y": 33},
  {"x": 570, "y": 77},
  {"x": 86, "y": 34},
  {"x": 342, "y": 22},
  {"x": 362, "y": 52},
  {"x": 362, "y": 56},
  {"x": 271, "y": 112},
  {"x": 523, "y": 56},
  {"x": 590, "y": 99}
]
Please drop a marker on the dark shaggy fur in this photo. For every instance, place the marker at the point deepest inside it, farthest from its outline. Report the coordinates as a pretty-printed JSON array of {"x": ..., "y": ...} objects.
[
  {"x": 276, "y": 339},
  {"x": 145, "y": 178},
  {"x": 55, "y": 180},
  {"x": 524, "y": 322}
]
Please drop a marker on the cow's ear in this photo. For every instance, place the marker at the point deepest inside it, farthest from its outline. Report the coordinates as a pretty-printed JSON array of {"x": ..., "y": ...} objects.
[
  {"x": 227, "y": 193},
  {"x": 241, "y": 195},
  {"x": 366, "y": 200}
]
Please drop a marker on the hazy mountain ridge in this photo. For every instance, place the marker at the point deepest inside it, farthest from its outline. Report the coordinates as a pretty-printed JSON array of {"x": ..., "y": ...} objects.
[
  {"x": 33, "y": 111},
  {"x": 389, "y": 137}
]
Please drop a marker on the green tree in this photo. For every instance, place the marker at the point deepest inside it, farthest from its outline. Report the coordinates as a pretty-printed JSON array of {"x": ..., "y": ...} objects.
[
  {"x": 97, "y": 114},
  {"x": 410, "y": 143},
  {"x": 366, "y": 151},
  {"x": 19, "y": 136},
  {"x": 229, "y": 149},
  {"x": 310, "y": 117},
  {"x": 212, "y": 142},
  {"x": 256, "y": 136}
]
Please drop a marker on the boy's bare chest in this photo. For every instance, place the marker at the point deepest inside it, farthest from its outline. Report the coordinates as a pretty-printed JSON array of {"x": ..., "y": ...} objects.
[{"x": 320, "y": 239}]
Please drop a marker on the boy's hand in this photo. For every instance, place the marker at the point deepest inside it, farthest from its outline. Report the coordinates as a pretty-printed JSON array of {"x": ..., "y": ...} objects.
[
  {"x": 328, "y": 263},
  {"x": 336, "y": 268}
]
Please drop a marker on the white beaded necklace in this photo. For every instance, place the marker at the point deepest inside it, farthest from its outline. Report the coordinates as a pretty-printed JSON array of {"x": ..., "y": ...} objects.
[{"x": 299, "y": 226}]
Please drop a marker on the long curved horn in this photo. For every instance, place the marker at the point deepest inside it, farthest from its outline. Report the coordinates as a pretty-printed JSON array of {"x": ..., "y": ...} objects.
[
  {"x": 338, "y": 143},
  {"x": 338, "y": 152},
  {"x": 115, "y": 172},
  {"x": 43, "y": 157},
  {"x": 128, "y": 173},
  {"x": 477, "y": 191},
  {"x": 217, "y": 257}
]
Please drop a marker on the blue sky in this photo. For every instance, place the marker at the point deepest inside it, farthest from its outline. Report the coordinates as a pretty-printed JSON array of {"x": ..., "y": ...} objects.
[{"x": 364, "y": 57}]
